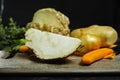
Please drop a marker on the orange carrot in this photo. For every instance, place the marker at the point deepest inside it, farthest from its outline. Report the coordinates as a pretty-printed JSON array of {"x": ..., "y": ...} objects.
[
  {"x": 23, "y": 48},
  {"x": 98, "y": 54}
]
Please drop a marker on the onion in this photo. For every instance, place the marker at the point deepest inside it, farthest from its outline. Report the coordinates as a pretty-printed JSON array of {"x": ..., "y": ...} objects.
[
  {"x": 94, "y": 37},
  {"x": 89, "y": 42}
]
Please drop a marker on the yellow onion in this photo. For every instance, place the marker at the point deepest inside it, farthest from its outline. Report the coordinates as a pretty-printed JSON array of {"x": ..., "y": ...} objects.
[
  {"x": 89, "y": 42},
  {"x": 94, "y": 37}
]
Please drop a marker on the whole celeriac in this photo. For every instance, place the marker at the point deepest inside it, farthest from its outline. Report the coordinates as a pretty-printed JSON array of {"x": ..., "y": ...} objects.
[{"x": 51, "y": 20}]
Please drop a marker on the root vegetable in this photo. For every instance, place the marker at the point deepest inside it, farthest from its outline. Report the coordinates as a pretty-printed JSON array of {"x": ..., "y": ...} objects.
[
  {"x": 23, "y": 48},
  {"x": 51, "y": 20},
  {"x": 48, "y": 46},
  {"x": 98, "y": 54},
  {"x": 95, "y": 37}
]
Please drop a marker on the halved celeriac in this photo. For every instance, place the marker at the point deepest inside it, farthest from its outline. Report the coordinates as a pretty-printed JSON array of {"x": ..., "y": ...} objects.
[{"x": 47, "y": 45}]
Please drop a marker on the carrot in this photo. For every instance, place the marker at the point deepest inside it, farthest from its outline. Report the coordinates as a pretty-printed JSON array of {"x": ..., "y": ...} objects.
[
  {"x": 23, "y": 48},
  {"x": 98, "y": 54}
]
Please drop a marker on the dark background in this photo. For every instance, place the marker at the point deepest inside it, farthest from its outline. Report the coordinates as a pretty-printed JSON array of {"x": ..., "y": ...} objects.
[{"x": 81, "y": 13}]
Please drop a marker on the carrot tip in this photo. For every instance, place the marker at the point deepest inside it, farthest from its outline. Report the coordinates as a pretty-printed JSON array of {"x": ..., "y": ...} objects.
[
  {"x": 110, "y": 56},
  {"x": 23, "y": 48}
]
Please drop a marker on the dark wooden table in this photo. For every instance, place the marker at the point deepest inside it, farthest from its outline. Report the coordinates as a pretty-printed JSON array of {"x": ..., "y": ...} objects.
[{"x": 20, "y": 67}]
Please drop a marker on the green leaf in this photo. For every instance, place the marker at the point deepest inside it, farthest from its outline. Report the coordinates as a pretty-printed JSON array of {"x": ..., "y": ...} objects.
[{"x": 11, "y": 36}]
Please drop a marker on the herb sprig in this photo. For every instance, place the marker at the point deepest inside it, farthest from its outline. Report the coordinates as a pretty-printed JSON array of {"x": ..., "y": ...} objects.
[{"x": 11, "y": 37}]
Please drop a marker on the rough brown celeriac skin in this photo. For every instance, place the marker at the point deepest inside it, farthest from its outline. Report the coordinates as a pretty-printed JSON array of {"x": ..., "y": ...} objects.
[{"x": 61, "y": 21}]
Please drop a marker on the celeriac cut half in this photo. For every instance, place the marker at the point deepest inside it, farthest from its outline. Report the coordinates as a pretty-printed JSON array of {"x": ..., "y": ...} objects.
[{"x": 47, "y": 45}]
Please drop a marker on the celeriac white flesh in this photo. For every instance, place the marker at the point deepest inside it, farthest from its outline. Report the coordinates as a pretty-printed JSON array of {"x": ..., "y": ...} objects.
[{"x": 48, "y": 45}]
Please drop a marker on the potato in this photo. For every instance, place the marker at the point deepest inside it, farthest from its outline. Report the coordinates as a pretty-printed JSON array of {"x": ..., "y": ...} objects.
[{"x": 95, "y": 36}]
